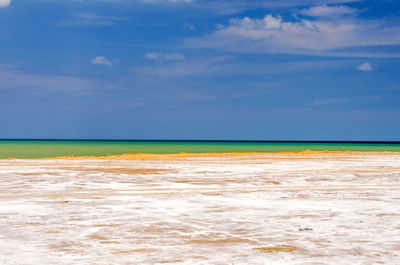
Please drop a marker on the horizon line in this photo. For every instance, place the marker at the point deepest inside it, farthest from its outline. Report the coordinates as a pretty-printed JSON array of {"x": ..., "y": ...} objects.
[{"x": 202, "y": 140}]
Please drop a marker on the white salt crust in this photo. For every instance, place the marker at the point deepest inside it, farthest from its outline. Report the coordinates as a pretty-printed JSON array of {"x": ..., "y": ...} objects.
[{"x": 264, "y": 209}]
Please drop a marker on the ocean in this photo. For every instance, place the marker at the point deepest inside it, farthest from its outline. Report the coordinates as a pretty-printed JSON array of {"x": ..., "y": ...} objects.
[{"x": 56, "y": 148}]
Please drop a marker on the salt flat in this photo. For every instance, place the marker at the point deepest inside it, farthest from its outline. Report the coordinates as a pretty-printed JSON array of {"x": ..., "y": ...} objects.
[{"x": 305, "y": 208}]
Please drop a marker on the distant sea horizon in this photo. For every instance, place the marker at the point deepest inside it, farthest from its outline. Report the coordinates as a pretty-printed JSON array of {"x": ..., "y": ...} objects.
[
  {"x": 197, "y": 140},
  {"x": 43, "y": 148}
]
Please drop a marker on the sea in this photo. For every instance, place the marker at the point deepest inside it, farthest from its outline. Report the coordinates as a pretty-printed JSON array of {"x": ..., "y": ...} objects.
[{"x": 58, "y": 148}]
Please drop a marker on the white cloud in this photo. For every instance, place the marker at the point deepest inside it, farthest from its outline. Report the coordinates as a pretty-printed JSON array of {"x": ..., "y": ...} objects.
[
  {"x": 309, "y": 25},
  {"x": 101, "y": 60},
  {"x": 366, "y": 67},
  {"x": 319, "y": 37},
  {"x": 5, "y": 3},
  {"x": 328, "y": 11},
  {"x": 268, "y": 22},
  {"x": 166, "y": 56},
  {"x": 271, "y": 22}
]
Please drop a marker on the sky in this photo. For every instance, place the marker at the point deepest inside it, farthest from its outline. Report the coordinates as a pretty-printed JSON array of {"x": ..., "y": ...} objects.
[{"x": 200, "y": 69}]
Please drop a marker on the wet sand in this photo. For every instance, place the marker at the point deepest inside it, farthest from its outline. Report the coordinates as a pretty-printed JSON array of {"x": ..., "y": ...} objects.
[{"x": 284, "y": 208}]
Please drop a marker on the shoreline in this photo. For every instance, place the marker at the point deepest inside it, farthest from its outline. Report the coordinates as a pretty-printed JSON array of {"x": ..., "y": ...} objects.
[{"x": 141, "y": 156}]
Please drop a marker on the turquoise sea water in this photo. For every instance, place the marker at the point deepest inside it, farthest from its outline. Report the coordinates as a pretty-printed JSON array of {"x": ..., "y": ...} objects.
[{"x": 55, "y": 148}]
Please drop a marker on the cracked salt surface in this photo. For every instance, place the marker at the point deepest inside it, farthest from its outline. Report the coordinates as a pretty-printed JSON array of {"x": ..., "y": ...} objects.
[{"x": 243, "y": 209}]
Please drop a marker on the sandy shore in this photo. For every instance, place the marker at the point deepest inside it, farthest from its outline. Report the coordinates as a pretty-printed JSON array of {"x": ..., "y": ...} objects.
[{"x": 243, "y": 208}]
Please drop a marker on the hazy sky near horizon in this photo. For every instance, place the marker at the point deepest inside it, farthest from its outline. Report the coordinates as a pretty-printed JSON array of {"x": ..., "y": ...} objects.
[{"x": 200, "y": 69}]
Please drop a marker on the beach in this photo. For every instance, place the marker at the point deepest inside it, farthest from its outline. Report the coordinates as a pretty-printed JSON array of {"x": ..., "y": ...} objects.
[{"x": 220, "y": 208}]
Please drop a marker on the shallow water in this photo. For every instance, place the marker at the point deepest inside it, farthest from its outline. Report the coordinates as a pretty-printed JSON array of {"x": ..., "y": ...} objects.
[
  {"x": 58, "y": 148},
  {"x": 246, "y": 209}
]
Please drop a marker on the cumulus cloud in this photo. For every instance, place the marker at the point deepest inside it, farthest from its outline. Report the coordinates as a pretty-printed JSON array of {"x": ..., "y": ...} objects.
[
  {"x": 328, "y": 11},
  {"x": 271, "y": 34},
  {"x": 268, "y": 22},
  {"x": 5, "y": 3},
  {"x": 101, "y": 60},
  {"x": 271, "y": 22},
  {"x": 165, "y": 56},
  {"x": 366, "y": 67}
]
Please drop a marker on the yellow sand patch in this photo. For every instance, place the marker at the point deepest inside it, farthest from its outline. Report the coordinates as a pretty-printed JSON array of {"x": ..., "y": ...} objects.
[
  {"x": 305, "y": 154},
  {"x": 110, "y": 242},
  {"x": 138, "y": 250},
  {"x": 97, "y": 237},
  {"x": 273, "y": 182},
  {"x": 281, "y": 248}
]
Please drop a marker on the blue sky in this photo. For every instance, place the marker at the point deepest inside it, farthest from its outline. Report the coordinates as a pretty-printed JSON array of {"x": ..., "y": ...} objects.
[{"x": 199, "y": 69}]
